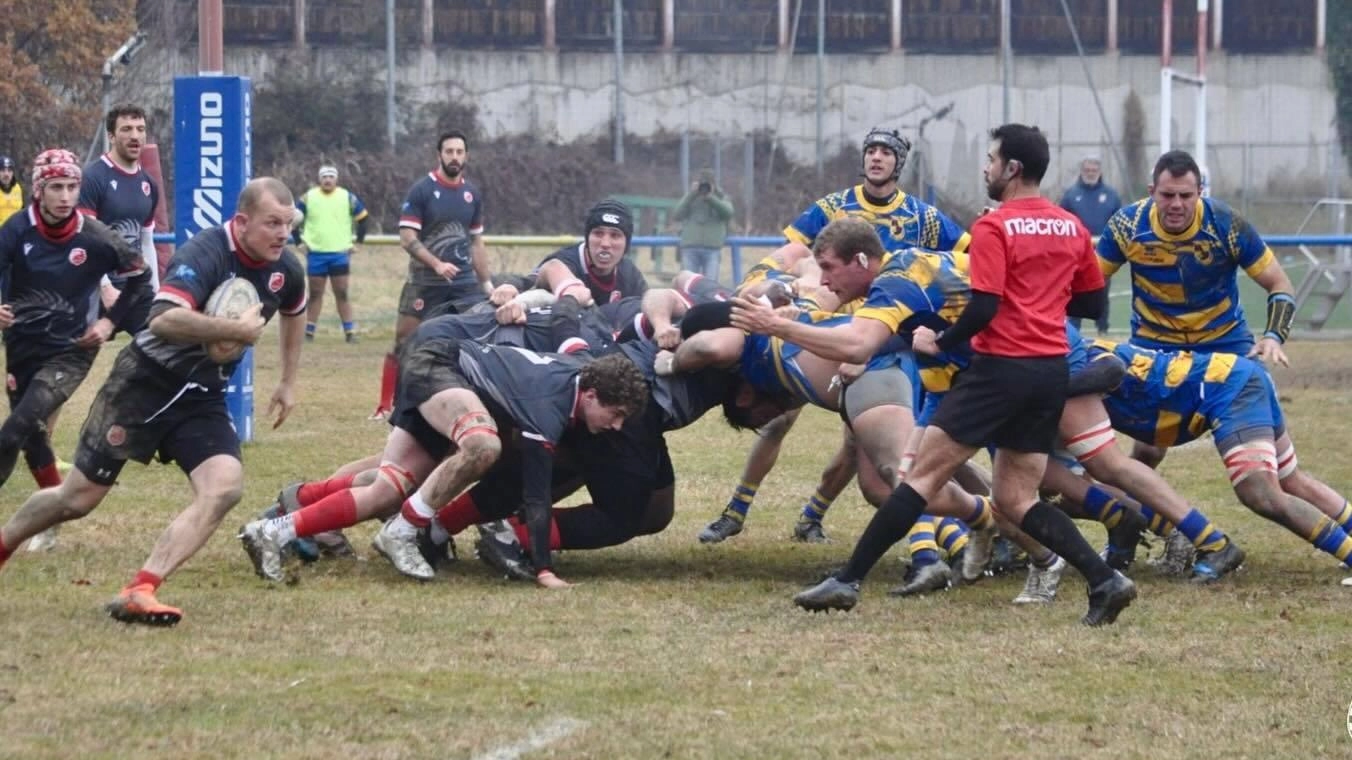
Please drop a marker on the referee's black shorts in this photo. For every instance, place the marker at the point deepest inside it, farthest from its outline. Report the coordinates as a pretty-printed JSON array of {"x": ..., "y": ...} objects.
[{"x": 1006, "y": 402}]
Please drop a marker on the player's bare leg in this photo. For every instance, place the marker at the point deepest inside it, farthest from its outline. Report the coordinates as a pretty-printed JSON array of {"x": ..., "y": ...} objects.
[
  {"x": 217, "y": 485},
  {"x": 759, "y": 461},
  {"x": 462, "y": 418},
  {"x": 316, "y": 306},
  {"x": 1252, "y": 467},
  {"x": 339, "y": 283},
  {"x": 76, "y": 497}
]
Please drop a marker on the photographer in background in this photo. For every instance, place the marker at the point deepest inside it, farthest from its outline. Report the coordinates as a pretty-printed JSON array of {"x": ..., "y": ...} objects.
[{"x": 704, "y": 213}]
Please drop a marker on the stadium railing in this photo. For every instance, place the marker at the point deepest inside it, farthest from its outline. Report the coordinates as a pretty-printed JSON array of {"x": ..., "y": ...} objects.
[{"x": 736, "y": 244}]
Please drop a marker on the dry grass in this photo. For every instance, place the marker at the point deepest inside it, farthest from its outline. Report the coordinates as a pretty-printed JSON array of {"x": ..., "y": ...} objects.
[{"x": 666, "y": 648}]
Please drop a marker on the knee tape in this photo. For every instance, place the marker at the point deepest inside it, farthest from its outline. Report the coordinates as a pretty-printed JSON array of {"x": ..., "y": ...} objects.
[
  {"x": 474, "y": 423},
  {"x": 1089, "y": 444},
  {"x": 1249, "y": 458},
  {"x": 401, "y": 479},
  {"x": 1286, "y": 462}
]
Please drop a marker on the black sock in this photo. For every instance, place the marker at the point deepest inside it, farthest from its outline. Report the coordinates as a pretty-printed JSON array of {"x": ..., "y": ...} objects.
[
  {"x": 1055, "y": 530},
  {"x": 893, "y": 520}
]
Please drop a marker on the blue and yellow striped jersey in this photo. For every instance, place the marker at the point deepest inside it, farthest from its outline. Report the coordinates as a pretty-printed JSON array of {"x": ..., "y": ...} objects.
[
  {"x": 929, "y": 288},
  {"x": 903, "y": 222},
  {"x": 769, "y": 364},
  {"x": 1184, "y": 288},
  {"x": 1169, "y": 398}
]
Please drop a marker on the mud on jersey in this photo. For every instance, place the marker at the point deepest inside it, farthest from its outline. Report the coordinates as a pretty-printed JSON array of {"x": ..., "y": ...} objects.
[{"x": 198, "y": 268}]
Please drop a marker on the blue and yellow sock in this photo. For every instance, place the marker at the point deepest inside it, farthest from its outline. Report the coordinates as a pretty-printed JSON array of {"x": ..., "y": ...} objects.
[
  {"x": 1158, "y": 524},
  {"x": 310, "y": 329},
  {"x": 982, "y": 516},
  {"x": 349, "y": 328},
  {"x": 1328, "y": 536},
  {"x": 1103, "y": 506},
  {"x": 740, "y": 503},
  {"x": 920, "y": 539},
  {"x": 816, "y": 507},
  {"x": 1203, "y": 535},
  {"x": 1344, "y": 518},
  {"x": 952, "y": 536}
]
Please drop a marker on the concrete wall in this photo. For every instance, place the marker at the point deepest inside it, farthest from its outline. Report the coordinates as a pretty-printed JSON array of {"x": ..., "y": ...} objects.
[{"x": 1270, "y": 118}]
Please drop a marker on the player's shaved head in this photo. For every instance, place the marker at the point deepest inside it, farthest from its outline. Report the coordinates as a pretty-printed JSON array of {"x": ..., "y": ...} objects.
[{"x": 260, "y": 187}]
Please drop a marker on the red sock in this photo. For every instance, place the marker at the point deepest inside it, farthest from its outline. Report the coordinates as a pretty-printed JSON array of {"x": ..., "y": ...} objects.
[
  {"x": 333, "y": 512},
  {"x": 143, "y": 577},
  {"x": 389, "y": 375},
  {"x": 4, "y": 552},
  {"x": 409, "y": 513},
  {"x": 523, "y": 533},
  {"x": 47, "y": 477},
  {"x": 459, "y": 514},
  {"x": 310, "y": 493}
]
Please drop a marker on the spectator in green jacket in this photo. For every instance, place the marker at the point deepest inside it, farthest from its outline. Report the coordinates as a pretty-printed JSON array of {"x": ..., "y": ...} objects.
[{"x": 704, "y": 212}]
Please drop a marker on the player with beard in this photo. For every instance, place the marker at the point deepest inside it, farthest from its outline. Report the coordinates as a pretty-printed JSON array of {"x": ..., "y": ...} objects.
[
  {"x": 52, "y": 260},
  {"x": 119, "y": 192},
  {"x": 441, "y": 227},
  {"x": 1031, "y": 265}
]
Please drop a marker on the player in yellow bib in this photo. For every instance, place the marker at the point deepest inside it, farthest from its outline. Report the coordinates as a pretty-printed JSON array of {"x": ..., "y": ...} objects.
[{"x": 327, "y": 215}]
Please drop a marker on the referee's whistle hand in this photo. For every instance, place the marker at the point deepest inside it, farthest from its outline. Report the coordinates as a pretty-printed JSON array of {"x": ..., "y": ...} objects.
[{"x": 753, "y": 316}]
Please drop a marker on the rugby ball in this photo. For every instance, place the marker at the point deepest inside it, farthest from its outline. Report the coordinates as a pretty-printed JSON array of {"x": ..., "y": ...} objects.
[{"x": 229, "y": 300}]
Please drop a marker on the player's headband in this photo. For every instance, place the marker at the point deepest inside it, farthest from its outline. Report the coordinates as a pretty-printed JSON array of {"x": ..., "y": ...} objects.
[
  {"x": 54, "y": 164},
  {"x": 328, "y": 171}
]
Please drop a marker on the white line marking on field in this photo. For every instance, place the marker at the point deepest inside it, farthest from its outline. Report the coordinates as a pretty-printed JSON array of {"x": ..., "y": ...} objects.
[{"x": 540, "y": 738}]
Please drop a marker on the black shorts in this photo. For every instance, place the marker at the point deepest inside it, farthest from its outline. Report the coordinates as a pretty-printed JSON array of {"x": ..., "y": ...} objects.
[
  {"x": 427, "y": 301},
  {"x": 143, "y": 410},
  {"x": 56, "y": 377},
  {"x": 620, "y": 471},
  {"x": 1008, "y": 403},
  {"x": 425, "y": 370}
]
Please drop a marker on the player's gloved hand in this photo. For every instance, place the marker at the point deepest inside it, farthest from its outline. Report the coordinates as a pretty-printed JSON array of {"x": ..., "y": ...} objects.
[
  {"x": 665, "y": 363},
  {"x": 1269, "y": 351}
]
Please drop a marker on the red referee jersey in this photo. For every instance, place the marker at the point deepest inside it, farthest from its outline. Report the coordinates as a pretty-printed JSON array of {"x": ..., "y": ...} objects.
[{"x": 1034, "y": 255}]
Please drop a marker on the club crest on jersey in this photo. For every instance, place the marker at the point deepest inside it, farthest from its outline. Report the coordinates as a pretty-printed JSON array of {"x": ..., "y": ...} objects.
[
  {"x": 417, "y": 304},
  {"x": 276, "y": 281},
  {"x": 616, "y": 296},
  {"x": 469, "y": 197},
  {"x": 117, "y": 435},
  {"x": 145, "y": 188},
  {"x": 436, "y": 193},
  {"x": 113, "y": 182},
  {"x": 77, "y": 256}
]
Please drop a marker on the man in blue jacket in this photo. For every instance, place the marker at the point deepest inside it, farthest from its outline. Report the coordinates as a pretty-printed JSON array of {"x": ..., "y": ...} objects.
[{"x": 1093, "y": 201}]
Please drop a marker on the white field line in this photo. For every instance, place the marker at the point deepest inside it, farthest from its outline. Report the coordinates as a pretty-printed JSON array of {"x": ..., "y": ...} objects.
[{"x": 539, "y": 738}]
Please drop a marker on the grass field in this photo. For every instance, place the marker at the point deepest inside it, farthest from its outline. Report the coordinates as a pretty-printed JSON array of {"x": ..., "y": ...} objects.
[{"x": 665, "y": 648}]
